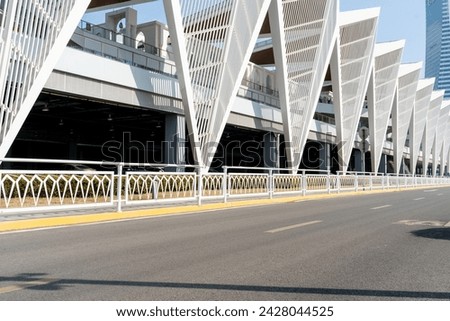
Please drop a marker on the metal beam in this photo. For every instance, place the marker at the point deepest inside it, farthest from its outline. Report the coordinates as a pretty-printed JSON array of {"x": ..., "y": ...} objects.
[{"x": 41, "y": 32}]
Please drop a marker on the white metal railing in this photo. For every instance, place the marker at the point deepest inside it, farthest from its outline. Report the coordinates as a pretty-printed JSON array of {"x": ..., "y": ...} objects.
[
  {"x": 122, "y": 53},
  {"x": 248, "y": 184},
  {"x": 44, "y": 190},
  {"x": 317, "y": 183},
  {"x": 147, "y": 186},
  {"x": 213, "y": 185},
  {"x": 347, "y": 182},
  {"x": 287, "y": 183}
]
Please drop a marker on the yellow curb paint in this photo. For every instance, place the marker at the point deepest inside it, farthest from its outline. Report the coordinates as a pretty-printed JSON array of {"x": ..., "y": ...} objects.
[{"x": 82, "y": 219}]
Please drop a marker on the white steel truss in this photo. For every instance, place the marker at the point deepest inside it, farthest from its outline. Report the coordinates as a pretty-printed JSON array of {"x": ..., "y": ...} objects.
[
  {"x": 303, "y": 35},
  {"x": 34, "y": 34},
  {"x": 351, "y": 66},
  {"x": 213, "y": 41},
  {"x": 419, "y": 120},
  {"x": 440, "y": 133},
  {"x": 429, "y": 136},
  {"x": 380, "y": 95},
  {"x": 403, "y": 108}
]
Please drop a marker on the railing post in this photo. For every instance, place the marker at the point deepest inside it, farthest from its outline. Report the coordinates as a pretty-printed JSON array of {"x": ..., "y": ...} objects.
[
  {"x": 304, "y": 183},
  {"x": 356, "y": 183},
  {"x": 225, "y": 184},
  {"x": 338, "y": 183},
  {"x": 200, "y": 186},
  {"x": 119, "y": 187},
  {"x": 271, "y": 183},
  {"x": 194, "y": 187},
  {"x": 328, "y": 182},
  {"x": 156, "y": 184}
]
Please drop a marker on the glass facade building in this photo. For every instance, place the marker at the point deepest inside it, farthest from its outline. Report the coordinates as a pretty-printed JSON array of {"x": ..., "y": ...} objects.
[{"x": 438, "y": 44}]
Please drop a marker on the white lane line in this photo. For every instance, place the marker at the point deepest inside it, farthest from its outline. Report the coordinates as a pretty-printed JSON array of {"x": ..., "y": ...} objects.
[
  {"x": 440, "y": 194},
  {"x": 430, "y": 190},
  {"x": 290, "y": 227},
  {"x": 380, "y": 207},
  {"x": 420, "y": 198},
  {"x": 447, "y": 225}
]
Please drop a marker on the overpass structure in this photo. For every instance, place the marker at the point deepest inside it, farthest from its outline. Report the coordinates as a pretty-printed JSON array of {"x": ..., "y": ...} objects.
[{"x": 280, "y": 84}]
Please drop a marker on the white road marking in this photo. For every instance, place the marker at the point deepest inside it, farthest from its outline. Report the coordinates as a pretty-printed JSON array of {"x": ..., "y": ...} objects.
[
  {"x": 430, "y": 190},
  {"x": 380, "y": 207},
  {"x": 25, "y": 285},
  {"x": 447, "y": 225},
  {"x": 420, "y": 198},
  {"x": 282, "y": 229},
  {"x": 424, "y": 223},
  {"x": 440, "y": 194}
]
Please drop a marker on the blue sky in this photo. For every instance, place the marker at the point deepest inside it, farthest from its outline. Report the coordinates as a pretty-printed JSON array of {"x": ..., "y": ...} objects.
[{"x": 399, "y": 19}]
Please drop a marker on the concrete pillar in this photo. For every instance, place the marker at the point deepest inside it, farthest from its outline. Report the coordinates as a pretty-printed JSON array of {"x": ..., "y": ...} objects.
[
  {"x": 447, "y": 157},
  {"x": 175, "y": 141},
  {"x": 73, "y": 148},
  {"x": 402, "y": 167},
  {"x": 383, "y": 164},
  {"x": 325, "y": 156},
  {"x": 434, "y": 165},
  {"x": 271, "y": 150},
  {"x": 358, "y": 160}
]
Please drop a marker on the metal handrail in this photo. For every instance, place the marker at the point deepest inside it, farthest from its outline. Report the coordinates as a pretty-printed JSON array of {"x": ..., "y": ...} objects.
[
  {"x": 90, "y": 28},
  {"x": 160, "y": 64},
  {"x": 19, "y": 188}
]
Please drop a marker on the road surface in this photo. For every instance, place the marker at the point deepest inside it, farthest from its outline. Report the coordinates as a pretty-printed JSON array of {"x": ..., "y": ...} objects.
[{"x": 390, "y": 246}]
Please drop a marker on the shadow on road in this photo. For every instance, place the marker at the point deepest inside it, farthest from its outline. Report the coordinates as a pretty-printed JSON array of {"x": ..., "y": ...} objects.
[
  {"x": 433, "y": 233},
  {"x": 59, "y": 284}
]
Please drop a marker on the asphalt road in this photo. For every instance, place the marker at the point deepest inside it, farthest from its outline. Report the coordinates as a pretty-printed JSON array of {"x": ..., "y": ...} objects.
[{"x": 391, "y": 246}]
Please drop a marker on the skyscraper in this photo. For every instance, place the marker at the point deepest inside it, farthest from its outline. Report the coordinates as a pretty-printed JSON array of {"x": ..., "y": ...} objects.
[{"x": 438, "y": 44}]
